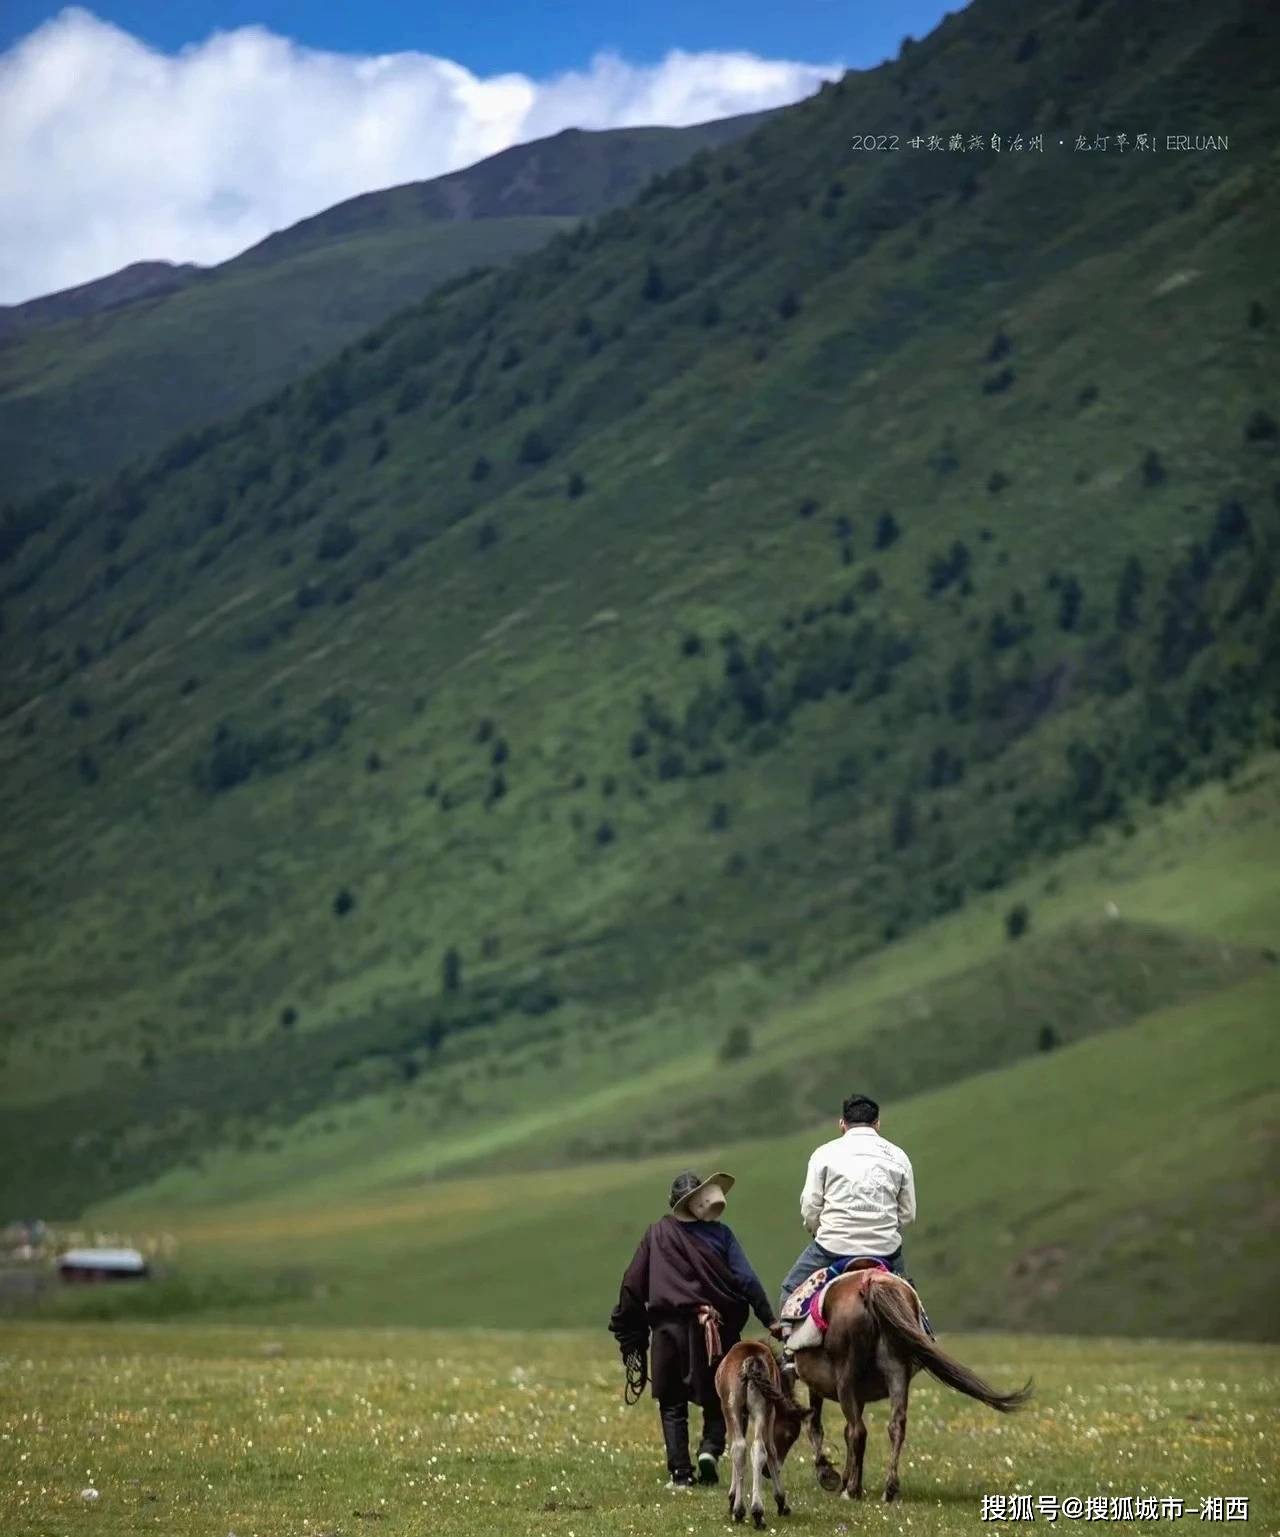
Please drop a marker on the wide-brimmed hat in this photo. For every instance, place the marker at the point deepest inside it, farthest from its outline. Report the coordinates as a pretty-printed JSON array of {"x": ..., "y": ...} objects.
[{"x": 685, "y": 1186}]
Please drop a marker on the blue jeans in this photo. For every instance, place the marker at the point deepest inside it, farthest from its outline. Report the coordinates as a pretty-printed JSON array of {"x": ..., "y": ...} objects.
[{"x": 815, "y": 1257}]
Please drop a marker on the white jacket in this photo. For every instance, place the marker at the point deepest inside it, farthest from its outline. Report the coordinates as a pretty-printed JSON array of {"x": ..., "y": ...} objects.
[{"x": 859, "y": 1194}]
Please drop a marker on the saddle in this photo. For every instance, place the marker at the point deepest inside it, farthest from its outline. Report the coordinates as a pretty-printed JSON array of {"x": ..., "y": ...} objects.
[
  {"x": 796, "y": 1307},
  {"x": 805, "y": 1307}
]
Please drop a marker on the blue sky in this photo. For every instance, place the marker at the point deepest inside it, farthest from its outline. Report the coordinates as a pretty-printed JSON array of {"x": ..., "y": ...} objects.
[{"x": 536, "y": 37}]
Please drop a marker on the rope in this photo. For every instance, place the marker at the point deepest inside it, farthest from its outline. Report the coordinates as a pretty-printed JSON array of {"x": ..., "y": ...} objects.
[{"x": 635, "y": 1363}]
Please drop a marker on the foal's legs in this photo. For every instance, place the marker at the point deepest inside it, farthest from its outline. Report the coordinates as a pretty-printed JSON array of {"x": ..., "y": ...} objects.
[
  {"x": 827, "y": 1476},
  {"x": 898, "y": 1380},
  {"x": 775, "y": 1470},
  {"x": 738, "y": 1456},
  {"x": 759, "y": 1418}
]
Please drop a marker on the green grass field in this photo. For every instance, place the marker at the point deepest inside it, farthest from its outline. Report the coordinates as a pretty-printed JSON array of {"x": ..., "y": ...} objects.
[{"x": 309, "y": 1433}]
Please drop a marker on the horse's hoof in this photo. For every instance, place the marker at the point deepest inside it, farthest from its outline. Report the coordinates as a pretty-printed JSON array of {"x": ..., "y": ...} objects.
[
  {"x": 740, "y": 1514},
  {"x": 757, "y": 1517},
  {"x": 828, "y": 1478},
  {"x": 783, "y": 1508},
  {"x": 891, "y": 1493}
]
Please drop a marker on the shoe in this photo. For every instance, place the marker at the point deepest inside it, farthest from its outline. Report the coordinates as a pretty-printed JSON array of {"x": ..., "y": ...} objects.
[
  {"x": 787, "y": 1366},
  {"x": 680, "y": 1483},
  {"x": 707, "y": 1472}
]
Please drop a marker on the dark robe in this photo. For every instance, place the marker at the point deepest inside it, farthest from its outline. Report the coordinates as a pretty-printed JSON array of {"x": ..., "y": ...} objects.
[{"x": 672, "y": 1275}]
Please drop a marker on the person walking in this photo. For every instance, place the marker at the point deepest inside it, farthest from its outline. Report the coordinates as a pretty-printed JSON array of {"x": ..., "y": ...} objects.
[{"x": 685, "y": 1299}]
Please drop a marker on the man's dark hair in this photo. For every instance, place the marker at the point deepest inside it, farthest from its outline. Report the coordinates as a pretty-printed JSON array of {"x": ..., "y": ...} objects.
[{"x": 858, "y": 1110}]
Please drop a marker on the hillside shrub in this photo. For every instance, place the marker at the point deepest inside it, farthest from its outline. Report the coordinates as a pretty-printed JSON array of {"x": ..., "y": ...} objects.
[
  {"x": 1261, "y": 427},
  {"x": 338, "y": 539},
  {"x": 736, "y": 1046},
  {"x": 887, "y": 531},
  {"x": 534, "y": 448}
]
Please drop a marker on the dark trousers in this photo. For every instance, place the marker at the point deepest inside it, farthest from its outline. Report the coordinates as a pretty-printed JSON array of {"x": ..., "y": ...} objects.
[
  {"x": 681, "y": 1375},
  {"x": 675, "y": 1433},
  {"x": 815, "y": 1257}
]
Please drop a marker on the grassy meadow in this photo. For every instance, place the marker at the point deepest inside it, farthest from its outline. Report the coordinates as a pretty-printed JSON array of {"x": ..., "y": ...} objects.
[{"x": 314, "y": 1433}]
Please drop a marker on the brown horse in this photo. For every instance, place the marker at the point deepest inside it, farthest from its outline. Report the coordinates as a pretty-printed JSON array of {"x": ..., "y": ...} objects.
[
  {"x": 757, "y": 1411},
  {"x": 873, "y": 1346}
]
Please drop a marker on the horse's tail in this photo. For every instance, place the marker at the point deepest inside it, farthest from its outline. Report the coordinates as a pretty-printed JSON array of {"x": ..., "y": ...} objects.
[
  {"x": 755, "y": 1374},
  {"x": 891, "y": 1309}
]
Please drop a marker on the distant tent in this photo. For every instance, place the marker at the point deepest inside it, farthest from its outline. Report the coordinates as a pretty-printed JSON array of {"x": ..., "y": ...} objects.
[{"x": 102, "y": 1265}]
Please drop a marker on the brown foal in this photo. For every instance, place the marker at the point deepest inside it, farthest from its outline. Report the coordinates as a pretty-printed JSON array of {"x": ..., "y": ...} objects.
[{"x": 761, "y": 1416}]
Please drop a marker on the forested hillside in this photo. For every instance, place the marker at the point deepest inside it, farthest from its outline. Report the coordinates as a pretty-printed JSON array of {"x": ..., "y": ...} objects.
[{"x": 611, "y": 648}]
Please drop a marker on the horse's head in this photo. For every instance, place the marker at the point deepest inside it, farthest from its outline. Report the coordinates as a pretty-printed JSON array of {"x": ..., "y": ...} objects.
[{"x": 787, "y": 1425}]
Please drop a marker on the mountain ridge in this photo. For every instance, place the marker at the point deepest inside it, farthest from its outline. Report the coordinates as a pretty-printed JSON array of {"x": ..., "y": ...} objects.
[
  {"x": 111, "y": 369},
  {"x": 536, "y": 178},
  {"x": 138, "y": 280}
]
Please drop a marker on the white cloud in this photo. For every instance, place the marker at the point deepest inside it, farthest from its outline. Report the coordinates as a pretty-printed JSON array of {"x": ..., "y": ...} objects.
[{"x": 114, "y": 152}]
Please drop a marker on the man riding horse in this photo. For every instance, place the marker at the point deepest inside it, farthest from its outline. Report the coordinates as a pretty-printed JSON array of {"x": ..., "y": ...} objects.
[{"x": 859, "y": 1193}]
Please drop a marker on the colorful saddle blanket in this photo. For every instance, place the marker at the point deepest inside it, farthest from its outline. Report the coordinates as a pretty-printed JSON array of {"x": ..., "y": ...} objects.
[{"x": 797, "y": 1305}]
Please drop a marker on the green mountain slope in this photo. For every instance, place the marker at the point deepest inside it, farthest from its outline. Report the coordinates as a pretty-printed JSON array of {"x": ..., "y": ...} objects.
[
  {"x": 920, "y": 1018},
  {"x": 1074, "y": 1192},
  {"x": 628, "y": 643},
  {"x": 1071, "y": 1191},
  {"x": 103, "y": 373},
  {"x": 951, "y": 1000}
]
